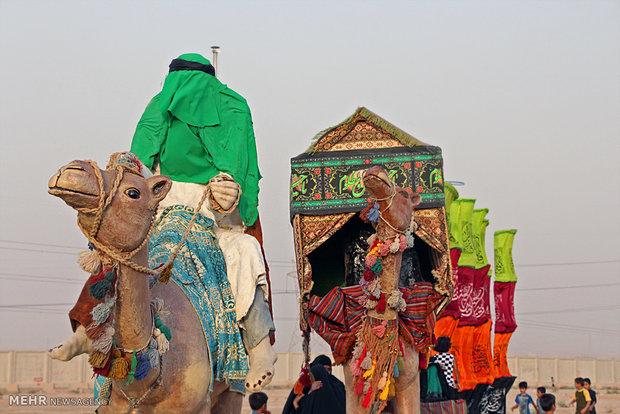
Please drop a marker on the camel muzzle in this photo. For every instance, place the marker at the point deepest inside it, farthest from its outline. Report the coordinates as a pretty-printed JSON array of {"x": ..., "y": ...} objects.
[{"x": 75, "y": 185}]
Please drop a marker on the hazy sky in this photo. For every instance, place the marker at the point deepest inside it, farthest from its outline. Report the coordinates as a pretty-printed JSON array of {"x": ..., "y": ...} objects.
[{"x": 523, "y": 98}]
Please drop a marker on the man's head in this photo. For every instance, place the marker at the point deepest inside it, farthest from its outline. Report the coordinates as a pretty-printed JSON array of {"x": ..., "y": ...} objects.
[
  {"x": 587, "y": 383},
  {"x": 540, "y": 391},
  {"x": 523, "y": 387},
  {"x": 443, "y": 344},
  {"x": 579, "y": 383},
  {"x": 258, "y": 401},
  {"x": 547, "y": 403}
]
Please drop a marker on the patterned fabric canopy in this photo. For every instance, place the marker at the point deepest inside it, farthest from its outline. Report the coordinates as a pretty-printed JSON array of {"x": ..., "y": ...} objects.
[{"x": 327, "y": 191}]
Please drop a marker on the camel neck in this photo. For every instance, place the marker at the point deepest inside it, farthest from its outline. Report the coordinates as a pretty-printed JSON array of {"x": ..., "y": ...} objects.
[
  {"x": 133, "y": 320},
  {"x": 391, "y": 271}
]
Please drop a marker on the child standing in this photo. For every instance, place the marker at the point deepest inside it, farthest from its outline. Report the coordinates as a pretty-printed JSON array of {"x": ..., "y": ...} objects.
[
  {"x": 258, "y": 403},
  {"x": 586, "y": 385},
  {"x": 582, "y": 397},
  {"x": 547, "y": 402},
  {"x": 540, "y": 391},
  {"x": 523, "y": 400}
]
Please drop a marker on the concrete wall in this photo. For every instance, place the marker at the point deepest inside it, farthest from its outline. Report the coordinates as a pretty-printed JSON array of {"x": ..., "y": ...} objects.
[
  {"x": 539, "y": 371},
  {"x": 34, "y": 369}
]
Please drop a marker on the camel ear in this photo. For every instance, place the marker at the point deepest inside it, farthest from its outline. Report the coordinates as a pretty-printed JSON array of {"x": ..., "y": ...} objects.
[
  {"x": 415, "y": 199},
  {"x": 159, "y": 186}
]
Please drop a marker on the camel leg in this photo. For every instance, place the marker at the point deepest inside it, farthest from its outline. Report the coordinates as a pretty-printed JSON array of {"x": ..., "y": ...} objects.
[
  {"x": 224, "y": 401},
  {"x": 408, "y": 384},
  {"x": 353, "y": 404},
  {"x": 75, "y": 345}
]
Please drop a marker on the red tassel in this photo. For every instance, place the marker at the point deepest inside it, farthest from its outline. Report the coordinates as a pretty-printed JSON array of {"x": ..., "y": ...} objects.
[
  {"x": 381, "y": 304},
  {"x": 366, "y": 401},
  {"x": 359, "y": 390},
  {"x": 298, "y": 388},
  {"x": 402, "y": 350},
  {"x": 304, "y": 378},
  {"x": 368, "y": 275}
]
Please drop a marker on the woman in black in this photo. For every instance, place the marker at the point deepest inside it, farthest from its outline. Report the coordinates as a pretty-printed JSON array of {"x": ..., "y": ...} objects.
[{"x": 325, "y": 395}]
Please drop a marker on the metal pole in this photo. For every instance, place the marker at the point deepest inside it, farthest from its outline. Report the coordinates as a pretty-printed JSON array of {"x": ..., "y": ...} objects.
[{"x": 215, "y": 50}]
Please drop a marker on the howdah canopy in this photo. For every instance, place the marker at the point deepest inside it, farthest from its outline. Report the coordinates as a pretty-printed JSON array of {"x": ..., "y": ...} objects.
[{"x": 327, "y": 193}]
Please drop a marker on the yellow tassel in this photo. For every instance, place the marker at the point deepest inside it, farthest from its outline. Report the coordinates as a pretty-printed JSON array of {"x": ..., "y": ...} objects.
[
  {"x": 386, "y": 391},
  {"x": 97, "y": 359},
  {"x": 371, "y": 371},
  {"x": 89, "y": 261},
  {"x": 392, "y": 392},
  {"x": 165, "y": 275},
  {"x": 119, "y": 369}
]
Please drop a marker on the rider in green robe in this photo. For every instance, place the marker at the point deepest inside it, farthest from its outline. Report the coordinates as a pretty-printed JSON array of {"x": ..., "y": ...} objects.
[{"x": 197, "y": 127}]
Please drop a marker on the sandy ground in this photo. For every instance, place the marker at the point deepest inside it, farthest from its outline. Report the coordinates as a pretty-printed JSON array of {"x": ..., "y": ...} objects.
[{"x": 609, "y": 402}]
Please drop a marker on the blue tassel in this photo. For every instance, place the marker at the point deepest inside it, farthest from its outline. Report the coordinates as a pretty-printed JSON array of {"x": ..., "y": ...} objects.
[
  {"x": 100, "y": 288},
  {"x": 110, "y": 275},
  {"x": 101, "y": 312},
  {"x": 373, "y": 214},
  {"x": 143, "y": 367},
  {"x": 396, "y": 372},
  {"x": 153, "y": 355}
]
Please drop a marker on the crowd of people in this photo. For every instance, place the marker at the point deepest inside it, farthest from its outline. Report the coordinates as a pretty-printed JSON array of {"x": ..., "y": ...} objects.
[{"x": 328, "y": 391}]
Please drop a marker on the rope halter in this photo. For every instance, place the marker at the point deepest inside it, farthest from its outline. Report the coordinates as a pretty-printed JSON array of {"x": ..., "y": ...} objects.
[{"x": 163, "y": 271}]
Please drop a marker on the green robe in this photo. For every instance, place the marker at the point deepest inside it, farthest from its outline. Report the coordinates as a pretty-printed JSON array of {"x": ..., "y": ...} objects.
[{"x": 198, "y": 127}]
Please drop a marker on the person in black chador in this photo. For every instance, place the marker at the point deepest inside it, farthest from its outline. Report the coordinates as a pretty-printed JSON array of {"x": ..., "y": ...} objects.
[{"x": 326, "y": 391}]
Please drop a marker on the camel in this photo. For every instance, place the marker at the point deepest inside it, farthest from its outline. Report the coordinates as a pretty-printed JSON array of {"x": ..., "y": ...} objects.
[
  {"x": 181, "y": 381},
  {"x": 396, "y": 208}
]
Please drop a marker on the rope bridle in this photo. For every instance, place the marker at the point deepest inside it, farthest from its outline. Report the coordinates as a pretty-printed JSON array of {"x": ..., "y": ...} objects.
[
  {"x": 104, "y": 202},
  {"x": 412, "y": 223}
]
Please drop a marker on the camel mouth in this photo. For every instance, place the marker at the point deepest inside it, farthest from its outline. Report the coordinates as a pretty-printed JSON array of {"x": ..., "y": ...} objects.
[
  {"x": 59, "y": 191},
  {"x": 378, "y": 176}
]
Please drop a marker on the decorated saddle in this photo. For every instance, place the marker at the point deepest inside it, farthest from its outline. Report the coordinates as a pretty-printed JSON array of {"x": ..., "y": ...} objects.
[
  {"x": 338, "y": 316},
  {"x": 200, "y": 271}
]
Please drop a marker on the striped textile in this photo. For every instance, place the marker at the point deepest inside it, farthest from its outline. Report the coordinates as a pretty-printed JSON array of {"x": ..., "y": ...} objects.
[
  {"x": 338, "y": 315},
  {"x": 444, "y": 407}
]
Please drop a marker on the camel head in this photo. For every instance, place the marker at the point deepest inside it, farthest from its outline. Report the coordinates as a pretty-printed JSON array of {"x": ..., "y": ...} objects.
[
  {"x": 126, "y": 218},
  {"x": 395, "y": 203}
]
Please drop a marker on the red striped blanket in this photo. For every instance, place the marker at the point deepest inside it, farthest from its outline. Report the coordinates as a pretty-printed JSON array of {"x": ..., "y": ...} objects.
[{"x": 338, "y": 315}]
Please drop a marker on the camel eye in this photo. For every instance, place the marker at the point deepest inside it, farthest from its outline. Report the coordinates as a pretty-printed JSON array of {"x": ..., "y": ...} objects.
[{"x": 133, "y": 193}]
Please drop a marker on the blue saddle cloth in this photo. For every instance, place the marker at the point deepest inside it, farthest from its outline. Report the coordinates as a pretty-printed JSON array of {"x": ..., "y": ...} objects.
[{"x": 200, "y": 271}]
